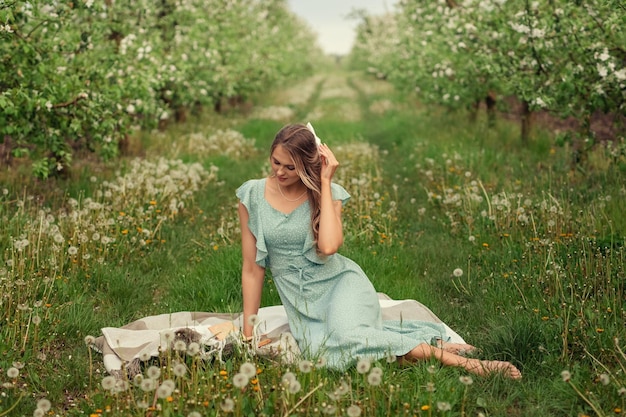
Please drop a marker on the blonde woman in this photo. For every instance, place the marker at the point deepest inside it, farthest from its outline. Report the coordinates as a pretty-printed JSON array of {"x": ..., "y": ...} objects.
[{"x": 291, "y": 223}]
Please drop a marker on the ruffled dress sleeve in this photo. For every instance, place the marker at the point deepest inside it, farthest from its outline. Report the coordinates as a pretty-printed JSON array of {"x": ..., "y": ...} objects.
[
  {"x": 250, "y": 194},
  {"x": 339, "y": 193}
]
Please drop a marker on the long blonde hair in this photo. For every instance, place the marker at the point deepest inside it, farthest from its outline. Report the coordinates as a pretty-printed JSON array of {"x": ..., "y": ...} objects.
[{"x": 299, "y": 143}]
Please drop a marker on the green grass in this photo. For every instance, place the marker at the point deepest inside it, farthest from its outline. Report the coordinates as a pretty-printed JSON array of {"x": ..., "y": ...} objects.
[{"x": 542, "y": 256}]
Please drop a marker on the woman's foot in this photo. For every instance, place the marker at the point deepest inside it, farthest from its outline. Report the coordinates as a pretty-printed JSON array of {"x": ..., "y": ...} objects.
[
  {"x": 481, "y": 367},
  {"x": 456, "y": 348}
]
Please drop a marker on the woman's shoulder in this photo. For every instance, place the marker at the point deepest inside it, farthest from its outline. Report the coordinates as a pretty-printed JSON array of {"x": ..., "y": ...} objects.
[{"x": 250, "y": 186}]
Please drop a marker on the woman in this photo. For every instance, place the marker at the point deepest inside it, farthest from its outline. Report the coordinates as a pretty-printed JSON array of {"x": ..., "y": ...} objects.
[{"x": 291, "y": 223}]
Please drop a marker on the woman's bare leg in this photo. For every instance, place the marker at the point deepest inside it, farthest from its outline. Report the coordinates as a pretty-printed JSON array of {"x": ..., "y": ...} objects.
[
  {"x": 457, "y": 348},
  {"x": 425, "y": 351}
]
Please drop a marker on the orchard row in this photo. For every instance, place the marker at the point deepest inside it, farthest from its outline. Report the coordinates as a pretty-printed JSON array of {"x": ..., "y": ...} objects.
[
  {"x": 565, "y": 57},
  {"x": 83, "y": 74}
]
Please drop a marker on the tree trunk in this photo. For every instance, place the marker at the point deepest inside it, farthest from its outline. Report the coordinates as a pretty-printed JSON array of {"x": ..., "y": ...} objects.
[{"x": 526, "y": 120}]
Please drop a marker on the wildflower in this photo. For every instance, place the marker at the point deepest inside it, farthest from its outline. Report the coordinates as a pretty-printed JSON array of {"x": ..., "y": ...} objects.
[
  {"x": 253, "y": 320},
  {"x": 194, "y": 414},
  {"x": 305, "y": 366},
  {"x": 294, "y": 387},
  {"x": 240, "y": 380},
  {"x": 425, "y": 407},
  {"x": 36, "y": 320},
  {"x": 376, "y": 370},
  {"x": 430, "y": 387},
  {"x": 605, "y": 379},
  {"x": 180, "y": 370},
  {"x": 180, "y": 346},
  {"x": 248, "y": 369},
  {"x": 353, "y": 411},
  {"x": 13, "y": 372},
  {"x": 329, "y": 409},
  {"x": 193, "y": 349},
  {"x": 39, "y": 412},
  {"x": 321, "y": 362},
  {"x": 471, "y": 238},
  {"x": 72, "y": 250},
  {"x": 288, "y": 378},
  {"x": 44, "y": 404},
  {"x": 621, "y": 392},
  {"x": 148, "y": 385},
  {"x": 566, "y": 375},
  {"x": 228, "y": 405},
  {"x": 431, "y": 369},
  {"x": 457, "y": 272},
  {"x": 169, "y": 383},
  {"x": 108, "y": 382},
  {"x": 90, "y": 340},
  {"x": 363, "y": 365},
  {"x": 143, "y": 404},
  {"x": 466, "y": 380},
  {"x": 137, "y": 379},
  {"x": 443, "y": 406},
  {"x": 374, "y": 379},
  {"x": 153, "y": 372},
  {"x": 167, "y": 336},
  {"x": 163, "y": 391},
  {"x": 144, "y": 356}
]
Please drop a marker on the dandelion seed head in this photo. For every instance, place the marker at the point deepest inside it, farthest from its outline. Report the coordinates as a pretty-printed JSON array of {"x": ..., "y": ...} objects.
[
  {"x": 457, "y": 272},
  {"x": 253, "y": 320},
  {"x": 294, "y": 387},
  {"x": 108, "y": 382},
  {"x": 193, "y": 349},
  {"x": 240, "y": 380},
  {"x": 305, "y": 366},
  {"x": 363, "y": 365},
  {"x": 153, "y": 372},
  {"x": 288, "y": 378},
  {"x": 248, "y": 369},
  {"x": 144, "y": 356},
  {"x": 605, "y": 379},
  {"x": 13, "y": 372},
  {"x": 44, "y": 404},
  {"x": 228, "y": 405},
  {"x": 72, "y": 250},
  {"x": 90, "y": 340},
  {"x": 443, "y": 406},
  {"x": 466, "y": 380},
  {"x": 39, "y": 412},
  {"x": 353, "y": 411},
  {"x": 374, "y": 379},
  {"x": 566, "y": 375},
  {"x": 163, "y": 391},
  {"x": 179, "y": 370},
  {"x": 180, "y": 346}
]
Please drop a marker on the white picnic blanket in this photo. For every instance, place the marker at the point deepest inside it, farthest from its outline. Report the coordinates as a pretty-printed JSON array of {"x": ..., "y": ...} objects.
[{"x": 123, "y": 347}]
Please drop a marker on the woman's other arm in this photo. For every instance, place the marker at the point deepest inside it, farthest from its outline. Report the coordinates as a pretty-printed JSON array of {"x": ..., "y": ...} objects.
[{"x": 252, "y": 275}]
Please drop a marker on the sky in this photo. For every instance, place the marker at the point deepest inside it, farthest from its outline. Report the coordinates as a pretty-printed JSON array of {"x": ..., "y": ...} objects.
[{"x": 328, "y": 19}]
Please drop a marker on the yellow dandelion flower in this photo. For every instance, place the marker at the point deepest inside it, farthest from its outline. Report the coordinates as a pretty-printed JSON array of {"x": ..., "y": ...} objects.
[
  {"x": 216, "y": 247},
  {"x": 617, "y": 410},
  {"x": 139, "y": 230},
  {"x": 125, "y": 231},
  {"x": 254, "y": 381},
  {"x": 485, "y": 245},
  {"x": 223, "y": 373},
  {"x": 599, "y": 330},
  {"x": 170, "y": 399},
  {"x": 122, "y": 214},
  {"x": 153, "y": 202},
  {"x": 157, "y": 210},
  {"x": 545, "y": 318},
  {"x": 425, "y": 407}
]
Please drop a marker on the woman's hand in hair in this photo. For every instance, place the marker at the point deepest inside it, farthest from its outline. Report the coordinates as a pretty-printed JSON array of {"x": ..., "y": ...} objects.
[{"x": 329, "y": 162}]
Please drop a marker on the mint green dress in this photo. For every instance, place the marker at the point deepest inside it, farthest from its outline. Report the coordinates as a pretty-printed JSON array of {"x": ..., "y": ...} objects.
[{"x": 332, "y": 307}]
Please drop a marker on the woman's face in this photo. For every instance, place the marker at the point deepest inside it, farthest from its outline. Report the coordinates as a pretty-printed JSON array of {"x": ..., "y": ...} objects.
[{"x": 283, "y": 167}]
